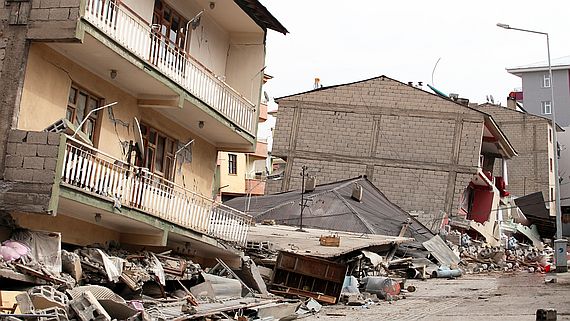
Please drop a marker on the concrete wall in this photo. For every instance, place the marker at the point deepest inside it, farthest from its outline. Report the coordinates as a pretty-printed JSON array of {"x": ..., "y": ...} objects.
[
  {"x": 44, "y": 102},
  {"x": 535, "y": 93},
  {"x": 419, "y": 149},
  {"x": 246, "y": 57}
]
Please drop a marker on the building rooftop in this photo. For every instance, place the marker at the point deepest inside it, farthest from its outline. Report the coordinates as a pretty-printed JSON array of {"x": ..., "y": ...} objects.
[{"x": 560, "y": 63}]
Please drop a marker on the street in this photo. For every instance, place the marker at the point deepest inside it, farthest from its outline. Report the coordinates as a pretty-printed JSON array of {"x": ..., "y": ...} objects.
[{"x": 472, "y": 297}]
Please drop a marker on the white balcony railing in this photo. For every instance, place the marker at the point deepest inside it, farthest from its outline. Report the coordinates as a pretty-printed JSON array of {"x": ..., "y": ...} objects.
[
  {"x": 132, "y": 32},
  {"x": 96, "y": 172}
]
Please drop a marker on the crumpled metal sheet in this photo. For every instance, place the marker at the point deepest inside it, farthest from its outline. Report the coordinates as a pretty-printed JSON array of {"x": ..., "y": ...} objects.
[{"x": 441, "y": 251}]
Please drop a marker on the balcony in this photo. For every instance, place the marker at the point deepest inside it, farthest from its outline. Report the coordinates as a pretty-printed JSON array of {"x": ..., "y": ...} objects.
[
  {"x": 99, "y": 175},
  {"x": 260, "y": 150}
]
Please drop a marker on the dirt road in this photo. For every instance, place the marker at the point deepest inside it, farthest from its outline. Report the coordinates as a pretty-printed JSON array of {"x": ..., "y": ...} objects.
[{"x": 473, "y": 297}]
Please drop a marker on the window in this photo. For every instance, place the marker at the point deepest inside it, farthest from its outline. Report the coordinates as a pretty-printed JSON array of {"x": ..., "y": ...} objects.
[
  {"x": 232, "y": 164},
  {"x": 169, "y": 35},
  {"x": 551, "y": 165},
  {"x": 79, "y": 103},
  {"x": 552, "y": 196},
  {"x": 546, "y": 81},
  {"x": 550, "y": 135},
  {"x": 159, "y": 151},
  {"x": 546, "y": 107}
]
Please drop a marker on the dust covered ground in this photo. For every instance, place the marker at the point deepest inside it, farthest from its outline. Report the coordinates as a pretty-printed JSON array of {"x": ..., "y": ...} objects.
[{"x": 472, "y": 297}]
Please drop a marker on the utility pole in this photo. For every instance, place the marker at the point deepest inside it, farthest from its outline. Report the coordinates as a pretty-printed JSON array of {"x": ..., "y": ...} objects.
[{"x": 303, "y": 201}]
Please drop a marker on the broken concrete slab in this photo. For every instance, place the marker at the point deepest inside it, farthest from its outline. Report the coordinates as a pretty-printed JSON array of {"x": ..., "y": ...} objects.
[
  {"x": 45, "y": 297},
  {"x": 443, "y": 254},
  {"x": 87, "y": 308},
  {"x": 71, "y": 264},
  {"x": 115, "y": 305}
]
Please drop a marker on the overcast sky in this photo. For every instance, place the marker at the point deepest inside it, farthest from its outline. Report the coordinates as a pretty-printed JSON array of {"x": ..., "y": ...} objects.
[{"x": 346, "y": 41}]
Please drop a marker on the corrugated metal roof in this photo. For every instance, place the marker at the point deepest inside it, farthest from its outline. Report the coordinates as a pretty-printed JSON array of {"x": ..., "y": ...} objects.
[
  {"x": 533, "y": 207},
  {"x": 331, "y": 207}
]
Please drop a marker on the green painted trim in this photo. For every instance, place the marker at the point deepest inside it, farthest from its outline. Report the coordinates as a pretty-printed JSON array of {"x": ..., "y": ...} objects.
[
  {"x": 55, "y": 189},
  {"x": 155, "y": 73},
  {"x": 107, "y": 205}
]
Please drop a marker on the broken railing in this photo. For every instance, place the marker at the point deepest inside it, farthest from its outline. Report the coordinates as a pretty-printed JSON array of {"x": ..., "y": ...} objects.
[
  {"x": 132, "y": 32},
  {"x": 96, "y": 172}
]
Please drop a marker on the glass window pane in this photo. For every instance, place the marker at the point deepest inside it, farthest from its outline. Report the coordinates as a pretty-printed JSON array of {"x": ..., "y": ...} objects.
[
  {"x": 89, "y": 128},
  {"x": 80, "y": 109},
  {"x": 149, "y": 157},
  {"x": 159, "y": 165},
  {"x": 93, "y": 103},
  {"x": 72, "y": 94},
  {"x": 69, "y": 114},
  {"x": 152, "y": 138}
]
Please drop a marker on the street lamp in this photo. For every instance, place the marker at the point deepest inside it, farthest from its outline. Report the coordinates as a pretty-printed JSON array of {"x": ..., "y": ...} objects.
[{"x": 560, "y": 244}]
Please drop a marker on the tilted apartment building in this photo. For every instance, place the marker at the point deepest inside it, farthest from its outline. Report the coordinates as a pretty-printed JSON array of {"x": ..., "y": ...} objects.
[
  {"x": 532, "y": 137},
  {"x": 190, "y": 72},
  {"x": 428, "y": 155}
]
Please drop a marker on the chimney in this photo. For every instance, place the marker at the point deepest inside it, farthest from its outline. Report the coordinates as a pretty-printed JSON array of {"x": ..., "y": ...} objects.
[
  {"x": 357, "y": 192},
  {"x": 512, "y": 103},
  {"x": 317, "y": 83}
]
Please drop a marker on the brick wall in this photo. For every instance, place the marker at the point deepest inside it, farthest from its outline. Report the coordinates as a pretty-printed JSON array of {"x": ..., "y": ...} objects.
[
  {"x": 29, "y": 174},
  {"x": 416, "y": 147},
  {"x": 529, "y": 172}
]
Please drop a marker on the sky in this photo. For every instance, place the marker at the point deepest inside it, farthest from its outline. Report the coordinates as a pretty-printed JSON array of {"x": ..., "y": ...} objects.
[{"x": 345, "y": 41}]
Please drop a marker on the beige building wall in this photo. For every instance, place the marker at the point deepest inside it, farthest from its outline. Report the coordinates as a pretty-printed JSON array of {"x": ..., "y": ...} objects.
[
  {"x": 44, "y": 102},
  {"x": 235, "y": 182},
  {"x": 418, "y": 149}
]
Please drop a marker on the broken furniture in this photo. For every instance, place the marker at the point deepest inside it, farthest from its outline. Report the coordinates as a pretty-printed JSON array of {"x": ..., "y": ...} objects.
[{"x": 300, "y": 275}]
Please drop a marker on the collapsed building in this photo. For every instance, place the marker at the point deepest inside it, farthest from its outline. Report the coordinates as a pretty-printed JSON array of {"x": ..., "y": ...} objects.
[{"x": 421, "y": 150}]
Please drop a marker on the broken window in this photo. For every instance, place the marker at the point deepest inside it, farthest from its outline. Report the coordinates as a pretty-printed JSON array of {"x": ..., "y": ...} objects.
[
  {"x": 159, "y": 151},
  {"x": 79, "y": 104},
  {"x": 168, "y": 37}
]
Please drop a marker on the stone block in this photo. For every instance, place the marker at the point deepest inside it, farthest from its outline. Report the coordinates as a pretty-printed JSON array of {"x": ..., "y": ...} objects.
[
  {"x": 25, "y": 303},
  {"x": 48, "y": 151},
  {"x": 45, "y": 297},
  {"x": 69, "y": 3},
  {"x": 42, "y": 176},
  {"x": 24, "y": 149},
  {"x": 14, "y": 161},
  {"x": 37, "y": 138},
  {"x": 49, "y": 3},
  {"x": 71, "y": 263},
  {"x": 59, "y": 14},
  {"x": 33, "y": 162},
  {"x": 39, "y": 14},
  {"x": 88, "y": 308},
  {"x": 18, "y": 175},
  {"x": 53, "y": 138},
  {"x": 17, "y": 136},
  {"x": 50, "y": 164}
]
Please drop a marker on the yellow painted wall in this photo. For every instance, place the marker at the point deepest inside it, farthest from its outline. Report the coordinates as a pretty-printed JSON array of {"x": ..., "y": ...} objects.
[
  {"x": 43, "y": 102},
  {"x": 236, "y": 182},
  {"x": 246, "y": 57}
]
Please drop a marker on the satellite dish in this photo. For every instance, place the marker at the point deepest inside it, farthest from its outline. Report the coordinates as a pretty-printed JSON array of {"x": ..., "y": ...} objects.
[{"x": 139, "y": 145}]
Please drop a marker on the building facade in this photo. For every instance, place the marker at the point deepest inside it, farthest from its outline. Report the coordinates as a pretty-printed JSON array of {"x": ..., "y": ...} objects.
[
  {"x": 242, "y": 174},
  {"x": 421, "y": 150},
  {"x": 531, "y": 136},
  {"x": 536, "y": 98},
  {"x": 113, "y": 113}
]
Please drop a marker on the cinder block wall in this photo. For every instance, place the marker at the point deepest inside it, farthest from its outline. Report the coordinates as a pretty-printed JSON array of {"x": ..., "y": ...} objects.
[
  {"x": 529, "y": 172},
  {"x": 29, "y": 174},
  {"x": 23, "y": 21},
  {"x": 419, "y": 149}
]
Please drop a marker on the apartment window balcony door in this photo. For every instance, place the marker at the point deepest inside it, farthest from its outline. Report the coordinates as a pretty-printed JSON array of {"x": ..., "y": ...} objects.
[{"x": 168, "y": 38}]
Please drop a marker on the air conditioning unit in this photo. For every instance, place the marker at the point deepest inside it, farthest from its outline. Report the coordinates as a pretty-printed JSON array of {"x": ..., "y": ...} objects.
[
  {"x": 310, "y": 184},
  {"x": 357, "y": 192}
]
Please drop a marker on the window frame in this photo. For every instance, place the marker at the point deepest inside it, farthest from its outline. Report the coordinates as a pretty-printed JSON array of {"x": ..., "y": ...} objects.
[
  {"x": 546, "y": 79},
  {"x": 543, "y": 105},
  {"x": 151, "y": 141},
  {"x": 232, "y": 164},
  {"x": 95, "y": 118}
]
